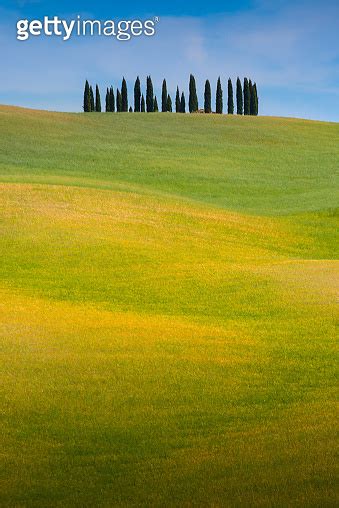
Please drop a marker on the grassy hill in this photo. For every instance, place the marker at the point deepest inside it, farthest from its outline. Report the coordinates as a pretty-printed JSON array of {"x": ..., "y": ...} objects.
[{"x": 167, "y": 309}]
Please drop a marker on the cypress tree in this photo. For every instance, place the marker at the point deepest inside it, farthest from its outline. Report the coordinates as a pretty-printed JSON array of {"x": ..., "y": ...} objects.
[
  {"x": 119, "y": 101},
  {"x": 253, "y": 101},
  {"x": 247, "y": 97},
  {"x": 177, "y": 101},
  {"x": 137, "y": 95},
  {"x": 111, "y": 100},
  {"x": 142, "y": 104},
  {"x": 230, "y": 101},
  {"x": 87, "y": 99},
  {"x": 256, "y": 99},
  {"x": 207, "y": 97},
  {"x": 91, "y": 95},
  {"x": 149, "y": 95},
  {"x": 164, "y": 97},
  {"x": 182, "y": 103},
  {"x": 156, "y": 108},
  {"x": 130, "y": 109},
  {"x": 97, "y": 100},
  {"x": 240, "y": 103},
  {"x": 169, "y": 104},
  {"x": 107, "y": 105},
  {"x": 193, "y": 98},
  {"x": 124, "y": 97},
  {"x": 218, "y": 98}
]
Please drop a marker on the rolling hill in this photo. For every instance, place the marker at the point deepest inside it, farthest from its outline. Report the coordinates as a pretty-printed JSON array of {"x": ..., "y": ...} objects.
[{"x": 168, "y": 304}]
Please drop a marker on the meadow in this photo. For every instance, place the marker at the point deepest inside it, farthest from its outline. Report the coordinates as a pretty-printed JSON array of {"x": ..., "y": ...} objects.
[{"x": 168, "y": 309}]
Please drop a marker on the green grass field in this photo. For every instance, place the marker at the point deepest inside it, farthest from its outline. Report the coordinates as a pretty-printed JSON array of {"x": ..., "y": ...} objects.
[{"x": 168, "y": 290}]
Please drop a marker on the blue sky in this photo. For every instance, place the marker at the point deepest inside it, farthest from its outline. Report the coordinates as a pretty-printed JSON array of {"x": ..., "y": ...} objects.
[{"x": 290, "y": 48}]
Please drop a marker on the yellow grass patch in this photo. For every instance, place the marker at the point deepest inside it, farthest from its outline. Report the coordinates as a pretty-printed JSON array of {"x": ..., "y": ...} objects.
[{"x": 36, "y": 325}]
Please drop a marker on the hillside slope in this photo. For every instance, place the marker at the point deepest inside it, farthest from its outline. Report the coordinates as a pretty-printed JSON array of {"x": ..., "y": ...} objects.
[
  {"x": 168, "y": 303},
  {"x": 256, "y": 165}
]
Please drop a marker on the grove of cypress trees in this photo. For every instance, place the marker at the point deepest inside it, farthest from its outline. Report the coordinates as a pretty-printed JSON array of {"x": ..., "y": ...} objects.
[
  {"x": 124, "y": 97},
  {"x": 247, "y": 97},
  {"x": 137, "y": 95},
  {"x": 97, "y": 100},
  {"x": 164, "y": 97},
  {"x": 119, "y": 101},
  {"x": 149, "y": 95},
  {"x": 182, "y": 103},
  {"x": 230, "y": 101},
  {"x": 177, "y": 101},
  {"x": 91, "y": 96},
  {"x": 193, "y": 98},
  {"x": 111, "y": 100},
  {"x": 87, "y": 98},
  {"x": 218, "y": 98},
  {"x": 142, "y": 104},
  {"x": 240, "y": 103},
  {"x": 207, "y": 97},
  {"x": 169, "y": 104}
]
